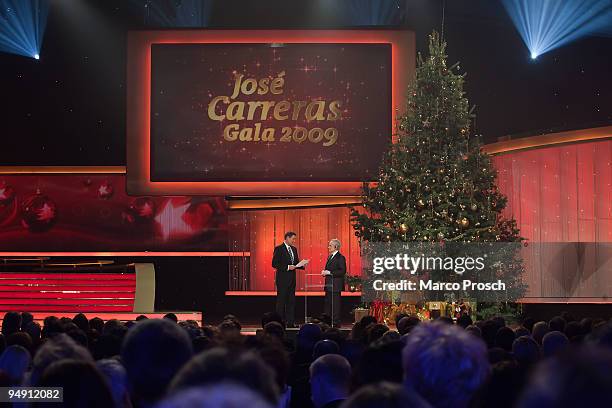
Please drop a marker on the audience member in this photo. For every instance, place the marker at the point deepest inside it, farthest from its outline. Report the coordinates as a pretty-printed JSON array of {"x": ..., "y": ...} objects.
[
  {"x": 553, "y": 343},
  {"x": 580, "y": 378},
  {"x": 444, "y": 364},
  {"x": 153, "y": 351},
  {"x": 330, "y": 380},
  {"x": 14, "y": 362},
  {"x": 384, "y": 395},
  {"x": 223, "y": 395},
  {"x": 83, "y": 385},
  {"x": 224, "y": 365}
]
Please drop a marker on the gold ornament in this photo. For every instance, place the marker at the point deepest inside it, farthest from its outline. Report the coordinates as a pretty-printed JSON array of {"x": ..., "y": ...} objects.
[
  {"x": 403, "y": 227},
  {"x": 465, "y": 222},
  {"x": 421, "y": 203},
  {"x": 474, "y": 207}
]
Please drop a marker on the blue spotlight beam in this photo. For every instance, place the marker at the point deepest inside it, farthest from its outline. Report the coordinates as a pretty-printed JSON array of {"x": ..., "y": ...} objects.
[
  {"x": 22, "y": 26},
  {"x": 548, "y": 24}
]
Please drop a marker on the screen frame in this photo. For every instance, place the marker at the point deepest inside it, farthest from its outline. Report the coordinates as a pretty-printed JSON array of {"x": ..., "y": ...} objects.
[{"x": 139, "y": 105}]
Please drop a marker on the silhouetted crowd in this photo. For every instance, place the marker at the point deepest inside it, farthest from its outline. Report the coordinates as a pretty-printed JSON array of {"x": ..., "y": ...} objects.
[{"x": 564, "y": 362}]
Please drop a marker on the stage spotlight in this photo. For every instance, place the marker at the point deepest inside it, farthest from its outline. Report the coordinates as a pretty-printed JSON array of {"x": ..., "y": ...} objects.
[
  {"x": 548, "y": 24},
  {"x": 22, "y": 25},
  {"x": 36, "y": 56}
]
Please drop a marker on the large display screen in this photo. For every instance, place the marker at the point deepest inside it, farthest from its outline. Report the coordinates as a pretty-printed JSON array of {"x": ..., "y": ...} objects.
[
  {"x": 262, "y": 112},
  {"x": 269, "y": 112}
]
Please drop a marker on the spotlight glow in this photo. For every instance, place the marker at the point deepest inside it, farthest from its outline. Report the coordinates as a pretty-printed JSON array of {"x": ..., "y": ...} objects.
[
  {"x": 36, "y": 56},
  {"x": 548, "y": 24},
  {"x": 22, "y": 26}
]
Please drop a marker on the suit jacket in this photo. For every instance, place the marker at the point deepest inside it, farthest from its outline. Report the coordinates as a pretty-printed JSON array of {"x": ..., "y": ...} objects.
[
  {"x": 281, "y": 260},
  {"x": 337, "y": 267}
]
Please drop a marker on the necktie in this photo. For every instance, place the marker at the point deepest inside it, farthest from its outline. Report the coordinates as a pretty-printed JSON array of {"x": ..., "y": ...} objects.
[{"x": 291, "y": 255}]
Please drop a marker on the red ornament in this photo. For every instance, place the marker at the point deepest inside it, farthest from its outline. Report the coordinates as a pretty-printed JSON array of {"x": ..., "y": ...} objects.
[
  {"x": 198, "y": 216},
  {"x": 105, "y": 190},
  {"x": 142, "y": 209},
  {"x": 7, "y": 194},
  {"x": 38, "y": 213}
]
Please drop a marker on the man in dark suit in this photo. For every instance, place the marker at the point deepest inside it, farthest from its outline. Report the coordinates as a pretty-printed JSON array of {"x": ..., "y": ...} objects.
[
  {"x": 284, "y": 260},
  {"x": 335, "y": 269}
]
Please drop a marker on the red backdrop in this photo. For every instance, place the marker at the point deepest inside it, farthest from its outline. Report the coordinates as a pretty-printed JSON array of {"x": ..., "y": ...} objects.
[{"x": 560, "y": 194}]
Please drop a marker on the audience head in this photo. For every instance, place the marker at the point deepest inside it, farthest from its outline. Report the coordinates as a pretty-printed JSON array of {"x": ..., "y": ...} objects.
[
  {"x": 271, "y": 317},
  {"x": 602, "y": 335},
  {"x": 116, "y": 377},
  {"x": 323, "y": 347},
  {"x": 503, "y": 386},
  {"x": 81, "y": 321},
  {"x": 553, "y": 343},
  {"x": 390, "y": 336},
  {"x": 526, "y": 351},
  {"x": 226, "y": 395},
  {"x": 381, "y": 362},
  {"x": 399, "y": 316},
  {"x": 539, "y": 330},
  {"x": 308, "y": 336},
  {"x": 97, "y": 324},
  {"x": 57, "y": 348},
  {"x": 230, "y": 328},
  {"x": 489, "y": 330},
  {"x": 557, "y": 323},
  {"x": 11, "y": 323},
  {"x": 222, "y": 365},
  {"x": 528, "y": 323},
  {"x": 172, "y": 317},
  {"x": 368, "y": 320},
  {"x": 474, "y": 331},
  {"x": 153, "y": 351},
  {"x": 444, "y": 364},
  {"x": 83, "y": 385},
  {"x": 407, "y": 323},
  {"x": 464, "y": 320},
  {"x": 21, "y": 339},
  {"x": 26, "y": 318},
  {"x": 330, "y": 379},
  {"x": 573, "y": 329},
  {"x": 15, "y": 361},
  {"x": 504, "y": 338},
  {"x": 274, "y": 329},
  {"x": 376, "y": 331},
  {"x": 579, "y": 378},
  {"x": 384, "y": 395},
  {"x": 521, "y": 331}
]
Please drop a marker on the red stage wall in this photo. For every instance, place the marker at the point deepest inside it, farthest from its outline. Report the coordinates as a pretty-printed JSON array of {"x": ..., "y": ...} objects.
[{"x": 560, "y": 194}]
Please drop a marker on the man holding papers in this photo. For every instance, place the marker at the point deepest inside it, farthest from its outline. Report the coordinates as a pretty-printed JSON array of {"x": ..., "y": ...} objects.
[
  {"x": 335, "y": 269},
  {"x": 286, "y": 260}
]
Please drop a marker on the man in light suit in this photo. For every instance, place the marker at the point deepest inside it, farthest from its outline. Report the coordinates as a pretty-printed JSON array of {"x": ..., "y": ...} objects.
[
  {"x": 334, "y": 272},
  {"x": 284, "y": 260}
]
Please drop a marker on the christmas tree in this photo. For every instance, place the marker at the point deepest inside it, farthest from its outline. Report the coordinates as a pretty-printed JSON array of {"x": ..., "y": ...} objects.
[{"x": 435, "y": 183}]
